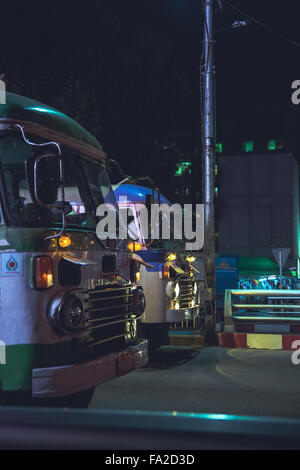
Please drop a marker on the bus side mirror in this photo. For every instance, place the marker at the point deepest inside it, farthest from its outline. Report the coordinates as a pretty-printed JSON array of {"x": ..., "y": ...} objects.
[{"x": 45, "y": 177}]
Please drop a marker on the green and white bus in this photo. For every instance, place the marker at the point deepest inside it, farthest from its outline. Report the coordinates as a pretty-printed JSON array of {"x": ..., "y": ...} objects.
[{"x": 67, "y": 316}]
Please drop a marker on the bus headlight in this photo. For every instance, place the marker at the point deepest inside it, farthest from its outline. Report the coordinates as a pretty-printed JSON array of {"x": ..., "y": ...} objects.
[
  {"x": 72, "y": 314},
  {"x": 195, "y": 288},
  {"x": 173, "y": 290},
  {"x": 67, "y": 315},
  {"x": 176, "y": 290}
]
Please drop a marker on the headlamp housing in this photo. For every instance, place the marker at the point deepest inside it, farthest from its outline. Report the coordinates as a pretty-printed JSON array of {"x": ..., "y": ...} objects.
[
  {"x": 66, "y": 314},
  {"x": 139, "y": 300},
  {"x": 173, "y": 290}
]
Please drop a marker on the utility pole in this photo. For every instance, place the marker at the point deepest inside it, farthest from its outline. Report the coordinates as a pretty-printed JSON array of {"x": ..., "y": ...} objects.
[{"x": 208, "y": 155}]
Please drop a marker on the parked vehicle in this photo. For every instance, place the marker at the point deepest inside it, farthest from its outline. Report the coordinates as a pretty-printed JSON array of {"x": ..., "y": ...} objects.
[
  {"x": 172, "y": 293},
  {"x": 67, "y": 317}
]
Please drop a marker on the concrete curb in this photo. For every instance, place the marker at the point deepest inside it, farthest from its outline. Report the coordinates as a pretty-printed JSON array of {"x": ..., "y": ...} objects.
[
  {"x": 258, "y": 341},
  {"x": 186, "y": 339}
]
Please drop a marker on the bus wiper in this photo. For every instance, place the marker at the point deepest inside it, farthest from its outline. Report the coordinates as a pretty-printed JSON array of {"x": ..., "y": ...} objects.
[{"x": 45, "y": 144}]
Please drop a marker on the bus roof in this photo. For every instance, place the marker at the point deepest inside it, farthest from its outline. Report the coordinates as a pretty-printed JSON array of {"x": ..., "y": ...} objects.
[
  {"x": 136, "y": 193},
  {"x": 38, "y": 118}
]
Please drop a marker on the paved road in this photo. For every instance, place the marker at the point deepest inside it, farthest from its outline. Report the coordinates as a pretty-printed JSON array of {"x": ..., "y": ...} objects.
[{"x": 211, "y": 380}]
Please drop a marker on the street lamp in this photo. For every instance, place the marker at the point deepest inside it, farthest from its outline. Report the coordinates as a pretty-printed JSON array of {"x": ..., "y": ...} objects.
[
  {"x": 235, "y": 25},
  {"x": 208, "y": 150},
  {"x": 208, "y": 154}
]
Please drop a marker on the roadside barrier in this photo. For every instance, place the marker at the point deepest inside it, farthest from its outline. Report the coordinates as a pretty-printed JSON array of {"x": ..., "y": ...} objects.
[{"x": 263, "y": 319}]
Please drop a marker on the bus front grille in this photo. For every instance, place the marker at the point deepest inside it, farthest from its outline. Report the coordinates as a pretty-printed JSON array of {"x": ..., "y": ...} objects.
[
  {"x": 186, "y": 297},
  {"x": 111, "y": 317}
]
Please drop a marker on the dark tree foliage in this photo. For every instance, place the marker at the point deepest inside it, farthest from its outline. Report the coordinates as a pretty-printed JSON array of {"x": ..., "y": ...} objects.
[{"x": 121, "y": 80}]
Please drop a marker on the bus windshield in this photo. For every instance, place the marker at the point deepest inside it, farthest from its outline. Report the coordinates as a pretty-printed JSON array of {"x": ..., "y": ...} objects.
[
  {"x": 166, "y": 244},
  {"x": 86, "y": 186}
]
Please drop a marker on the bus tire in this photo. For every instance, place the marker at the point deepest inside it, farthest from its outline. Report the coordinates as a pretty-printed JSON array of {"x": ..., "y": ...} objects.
[
  {"x": 155, "y": 333},
  {"x": 15, "y": 398},
  {"x": 78, "y": 400}
]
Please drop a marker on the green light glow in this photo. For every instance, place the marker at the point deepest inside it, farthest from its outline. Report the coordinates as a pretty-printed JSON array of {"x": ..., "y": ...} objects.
[
  {"x": 272, "y": 145},
  {"x": 190, "y": 422},
  {"x": 220, "y": 417},
  {"x": 257, "y": 264},
  {"x": 46, "y": 110},
  {"x": 248, "y": 146},
  {"x": 219, "y": 147},
  {"x": 183, "y": 167},
  {"x": 214, "y": 416},
  {"x": 179, "y": 172}
]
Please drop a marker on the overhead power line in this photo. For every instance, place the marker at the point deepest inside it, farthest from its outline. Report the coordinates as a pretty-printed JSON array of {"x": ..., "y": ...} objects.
[{"x": 262, "y": 25}]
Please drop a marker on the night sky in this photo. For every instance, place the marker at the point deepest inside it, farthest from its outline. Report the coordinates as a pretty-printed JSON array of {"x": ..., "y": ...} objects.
[{"x": 129, "y": 70}]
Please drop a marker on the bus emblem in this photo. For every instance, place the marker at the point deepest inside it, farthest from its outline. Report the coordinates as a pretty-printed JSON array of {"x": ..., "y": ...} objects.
[{"x": 11, "y": 265}]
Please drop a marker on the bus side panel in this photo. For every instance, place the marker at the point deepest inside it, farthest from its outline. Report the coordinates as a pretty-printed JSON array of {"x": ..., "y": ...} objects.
[
  {"x": 15, "y": 374},
  {"x": 155, "y": 292},
  {"x": 25, "y": 330}
]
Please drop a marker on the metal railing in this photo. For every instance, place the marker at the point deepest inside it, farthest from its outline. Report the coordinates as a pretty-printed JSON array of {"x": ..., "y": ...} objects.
[{"x": 261, "y": 312}]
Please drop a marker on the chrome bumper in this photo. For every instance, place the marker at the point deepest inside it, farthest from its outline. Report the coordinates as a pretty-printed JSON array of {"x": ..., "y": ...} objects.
[
  {"x": 70, "y": 379},
  {"x": 183, "y": 314}
]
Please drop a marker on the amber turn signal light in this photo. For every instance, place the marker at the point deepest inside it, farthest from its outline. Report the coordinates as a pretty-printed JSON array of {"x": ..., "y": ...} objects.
[
  {"x": 64, "y": 242},
  {"x": 43, "y": 278},
  {"x": 134, "y": 246},
  {"x": 166, "y": 271}
]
